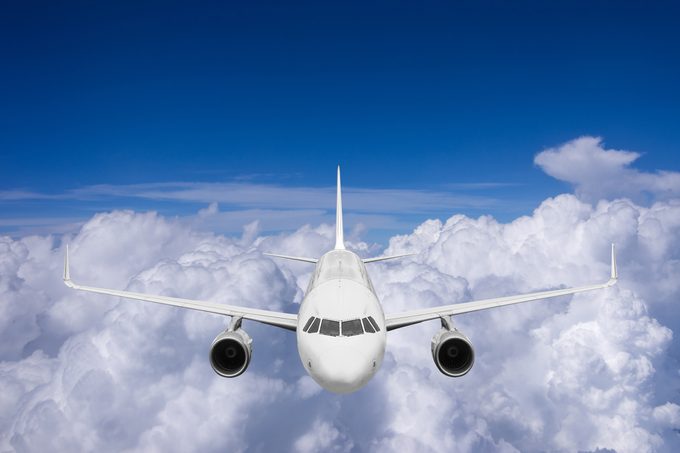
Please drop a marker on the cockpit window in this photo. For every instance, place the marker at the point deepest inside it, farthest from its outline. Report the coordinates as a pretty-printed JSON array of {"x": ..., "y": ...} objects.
[
  {"x": 329, "y": 327},
  {"x": 309, "y": 323},
  {"x": 333, "y": 328},
  {"x": 368, "y": 327},
  {"x": 315, "y": 326},
  {"x": 351, "y": 328}
]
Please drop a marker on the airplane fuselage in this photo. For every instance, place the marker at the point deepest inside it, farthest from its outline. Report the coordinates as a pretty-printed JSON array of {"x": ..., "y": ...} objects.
[{"x": 341, "y": 331}]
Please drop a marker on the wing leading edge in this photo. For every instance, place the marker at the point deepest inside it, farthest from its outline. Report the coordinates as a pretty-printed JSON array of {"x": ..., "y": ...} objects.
[
  {"x": 397, "y": 320},
  {"x": 385, "y": 258},
  {"x": 284, "y": 320}
]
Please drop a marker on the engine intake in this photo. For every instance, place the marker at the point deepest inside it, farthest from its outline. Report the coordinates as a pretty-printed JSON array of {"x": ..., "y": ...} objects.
[
  {"x": 230, "y": 353},
  {"x": 452, "y": 352}
]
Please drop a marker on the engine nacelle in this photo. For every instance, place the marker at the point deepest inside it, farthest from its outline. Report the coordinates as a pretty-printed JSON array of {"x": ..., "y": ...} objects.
[
  {"x": 452, "y": 352},
  {"x": 230, "y": 353}
]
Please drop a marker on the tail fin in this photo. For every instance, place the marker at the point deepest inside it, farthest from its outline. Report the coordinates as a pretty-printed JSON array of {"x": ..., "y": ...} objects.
[{"x": 339, "y": 236}]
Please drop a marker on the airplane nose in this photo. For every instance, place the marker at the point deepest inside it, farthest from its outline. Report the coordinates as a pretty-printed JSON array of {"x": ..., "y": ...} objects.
[{"x": 343, "y": 370}]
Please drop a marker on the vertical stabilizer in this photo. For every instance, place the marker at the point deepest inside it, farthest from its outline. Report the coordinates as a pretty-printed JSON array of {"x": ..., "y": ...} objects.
[{"x": 339, "y": 236}]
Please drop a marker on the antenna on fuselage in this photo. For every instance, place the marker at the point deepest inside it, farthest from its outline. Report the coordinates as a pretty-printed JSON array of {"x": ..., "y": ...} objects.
[{"x": 339, "y": 237}]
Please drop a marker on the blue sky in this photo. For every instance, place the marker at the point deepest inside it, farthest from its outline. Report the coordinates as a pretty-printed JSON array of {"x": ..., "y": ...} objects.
[{"x": 433, "y": 96}]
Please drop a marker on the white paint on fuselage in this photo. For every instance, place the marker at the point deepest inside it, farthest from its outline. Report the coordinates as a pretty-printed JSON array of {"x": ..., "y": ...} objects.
[{"x": 340, "y": 290}]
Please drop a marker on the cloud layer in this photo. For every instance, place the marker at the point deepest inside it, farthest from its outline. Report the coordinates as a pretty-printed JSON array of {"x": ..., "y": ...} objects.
[{"x": 596, "y": 371}]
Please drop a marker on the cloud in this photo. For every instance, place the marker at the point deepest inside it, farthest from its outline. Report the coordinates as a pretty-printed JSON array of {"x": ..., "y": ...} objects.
[
  {"x": 598, "y": 173},
  {"x": 322, "y": 436},
  {"x": 565, "y": 375},
  {"x": 596, "y": 371}
]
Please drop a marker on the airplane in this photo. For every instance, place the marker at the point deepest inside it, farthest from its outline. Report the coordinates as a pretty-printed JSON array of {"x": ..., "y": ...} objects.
[{"x": 341, "y": 327}]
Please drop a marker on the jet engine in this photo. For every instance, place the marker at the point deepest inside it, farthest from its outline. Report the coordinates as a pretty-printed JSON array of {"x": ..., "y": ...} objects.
[
  {"x": 230, "y": 353},
  {"x": 452, "y": 351}
]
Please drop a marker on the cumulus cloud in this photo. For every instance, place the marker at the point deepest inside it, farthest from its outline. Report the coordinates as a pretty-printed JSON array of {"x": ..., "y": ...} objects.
[
  {"x": 599, "y": 173},
  {"x": 322, "y": 436},
  {"x": 593, "y": 372},
  {"x": 597, "y": 371}
]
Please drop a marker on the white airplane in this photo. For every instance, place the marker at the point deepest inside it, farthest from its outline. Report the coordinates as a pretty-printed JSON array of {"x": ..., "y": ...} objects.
[{"x": 341, "y": 328}]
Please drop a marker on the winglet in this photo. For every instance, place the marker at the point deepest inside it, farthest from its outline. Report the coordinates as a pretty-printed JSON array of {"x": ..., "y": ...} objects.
[
  {"x": 614, "y": 272},
  {"x": 67, "y": 271},
  {"x": 339, "y": 236}
]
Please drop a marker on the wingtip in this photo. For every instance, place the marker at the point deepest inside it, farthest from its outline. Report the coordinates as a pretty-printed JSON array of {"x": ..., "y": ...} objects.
[{"x": 67, "y": 270}]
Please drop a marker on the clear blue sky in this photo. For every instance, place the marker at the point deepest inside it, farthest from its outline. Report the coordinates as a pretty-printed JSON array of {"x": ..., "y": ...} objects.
[{"x": 418, "y": 95}]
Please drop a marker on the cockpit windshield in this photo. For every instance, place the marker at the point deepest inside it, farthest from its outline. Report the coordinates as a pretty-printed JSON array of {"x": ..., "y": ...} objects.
[
  {"x": 351, "y": 328},
  {"x": 348, "y": 328},
  {"x": 331, "y": 328},
  {"x": 315, "y": 326},
  {"x": 368, "y": 327}
]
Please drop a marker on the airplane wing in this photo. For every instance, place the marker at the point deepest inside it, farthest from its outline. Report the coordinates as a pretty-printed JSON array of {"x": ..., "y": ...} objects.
[
  {"x": 284, "y": 320},
  {"x": 398, "y": 320},
  {"x": 293, "y": 258},
  {"x": 385, "y": 258}
]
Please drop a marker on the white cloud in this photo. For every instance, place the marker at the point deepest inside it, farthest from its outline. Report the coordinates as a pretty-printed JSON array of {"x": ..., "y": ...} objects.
[
  {"x": 322, "y": 436},
  {"x": 599, "y": 173},
  {"x": 85, "y": 372},
  {"x": 576, "y": 375},
  {"x": 131, "y": 376}
]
